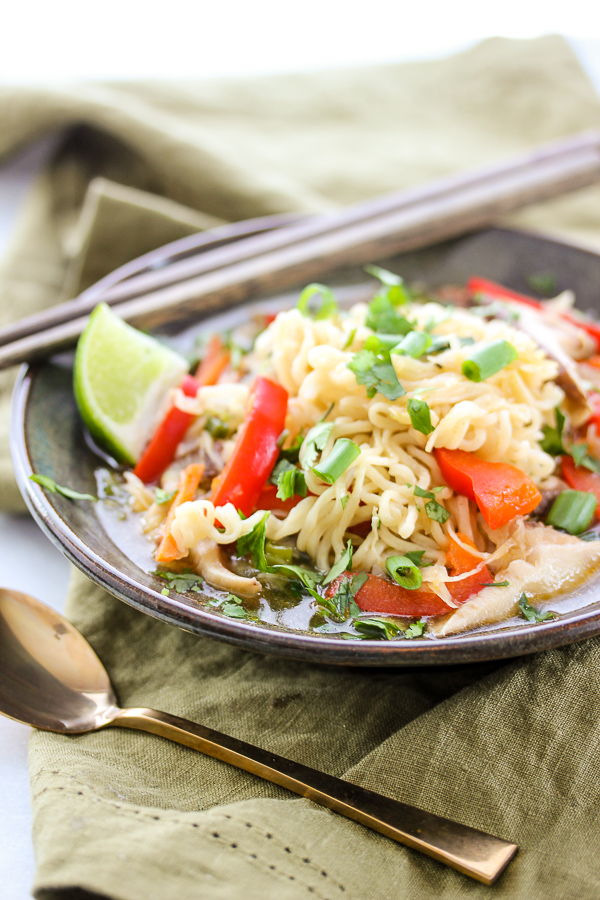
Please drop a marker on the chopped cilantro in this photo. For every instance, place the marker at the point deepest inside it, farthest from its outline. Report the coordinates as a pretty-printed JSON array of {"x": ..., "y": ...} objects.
[
  {"x": 581, "y": 457},
  {"x": 165, "y": 592},
  {"x": 530, "y": 613},
  {"x": 342, "y": 604},
  {"x": 436, "y": 512},
  {"x": 289, "y": 479},
  {"x": 292, "y": 453},
  {"x": 396, "y": 292},
  {"x": 494, "y": 583},
  {"x": 382, "y": 317},
  {"x": 53, "y": 488},
  {"x": 180, "y": 582},
  {"x": 377, "y": 374},
  {"x": 420, "y": 416},
  {"x": 253, "y": 543},
  {"x": 417, "y": 629},
  {"x": 378, "y": 628},
  {"x": 552, "y": 442},
  {"x": 343, "y": 564}
]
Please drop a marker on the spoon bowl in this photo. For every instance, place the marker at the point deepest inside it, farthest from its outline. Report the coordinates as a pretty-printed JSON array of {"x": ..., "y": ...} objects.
[{"x": 51, "y": 678}]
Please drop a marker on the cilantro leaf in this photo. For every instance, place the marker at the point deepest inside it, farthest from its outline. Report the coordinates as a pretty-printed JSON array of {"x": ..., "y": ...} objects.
[
  {"x": 180, "y": 582},
  {"x": 552, "y": 442},
  {"x": 253, "y": 543},
  {"x": 378, "y": 628},
  {"x": 289, "y": 479},
  {"x": 342, "y": 604},
  {"x": 436, "y": 512},
  {"x": 420, "y": 416},
  {"x": 292, "y": 453},
  {"x": 382, "y": 317},
  {"x": 494, "y": 583},
  {"x": 417, "y": 629},
  {"x": 53, "y": 488},
  {"x": 530, "y": 613},
  {"x": 542, "y": 283},
  {"x": 581, "y": 457},
  {"x": 343, "y": 564},
  {"x": 377, "y": 374}
]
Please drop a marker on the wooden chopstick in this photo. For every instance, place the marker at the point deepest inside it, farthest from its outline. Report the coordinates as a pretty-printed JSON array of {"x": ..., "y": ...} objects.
[{"x": 280, "y": 259}]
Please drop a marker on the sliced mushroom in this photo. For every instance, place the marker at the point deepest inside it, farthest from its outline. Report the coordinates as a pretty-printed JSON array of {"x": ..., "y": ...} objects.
[{"x": 207, "y": 560}]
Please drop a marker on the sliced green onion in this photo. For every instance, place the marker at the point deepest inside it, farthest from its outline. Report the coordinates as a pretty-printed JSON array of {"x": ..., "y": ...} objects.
[
  {"x": 277, "y": 555},
  {"x": 328, "y": 306},
  {"x": 420, "y": 416},
  {"x": 414, "y": 344},
  {"x": 343, "y": 454},
  {"x": 404, "y": 571},
  {"x": 397, "y": 292},
  {"x": 572, "y": 511},
  {"x": 216, "y": 427},
  {"x": 379, "y": 342},
  {"x": 487, "y": 359}
]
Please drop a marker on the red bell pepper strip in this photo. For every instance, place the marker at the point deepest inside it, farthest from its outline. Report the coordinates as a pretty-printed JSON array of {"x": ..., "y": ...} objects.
[
  {"x": 581, "y": 479},
  {"x": 188, "y": 485},
  {"x": 476, "y": 285},
  {"x": 378, "y": 595},
  {"x": 215, "y": 359},
  {"x": 500, "y": 491},
  {"x": 246, "y": 472},
  {"x": 160, "y": 452}
]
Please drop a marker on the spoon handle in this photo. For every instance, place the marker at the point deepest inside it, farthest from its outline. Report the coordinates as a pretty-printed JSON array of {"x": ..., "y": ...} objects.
[{"x": 472, "y": 852}]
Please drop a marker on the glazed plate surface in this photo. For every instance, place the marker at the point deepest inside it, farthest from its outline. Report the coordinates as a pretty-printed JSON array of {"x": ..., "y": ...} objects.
[{"x": 47, "y": 437}]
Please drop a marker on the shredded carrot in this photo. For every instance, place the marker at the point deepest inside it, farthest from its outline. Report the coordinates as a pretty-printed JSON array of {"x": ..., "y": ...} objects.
[
  {"x": 188, "y": 484},
  {"x": 216, "y": 359}
]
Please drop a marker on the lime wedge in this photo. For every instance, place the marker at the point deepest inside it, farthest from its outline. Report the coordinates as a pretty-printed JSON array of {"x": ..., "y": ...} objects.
[{"x": 121, "y": 382}]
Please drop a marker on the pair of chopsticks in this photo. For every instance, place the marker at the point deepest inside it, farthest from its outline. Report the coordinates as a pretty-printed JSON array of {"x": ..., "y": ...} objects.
[{"x": 302, "y": 251}]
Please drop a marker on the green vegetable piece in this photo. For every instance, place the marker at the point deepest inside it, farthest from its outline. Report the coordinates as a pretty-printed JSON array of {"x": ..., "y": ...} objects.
[
  {"x": 343, "y": 564},
  {"x": 377, "y": 374},
  {"x": 53, "y": 488},
  {"x": 343, "y": 454},
  {"x": 253, "y": 543},
  {"x": 314, "y": 442},
  {"x": 530, "y": 613},
  {"x": 590, "y": 536},
  {"x": 216, "y": 427},
  {"x": 180, "y": 582},
  {"x": 233, "y": 607},
  {"x": 377, "y": 628},
  {"x": 292, "y": 453},
  {"x": 494, "y": 583},
  {"x": 542, "y": 283},
  {"x": 161, "y": 497},
  {"x": 404, "y": 571},
  {"x": 552, "y": 442},
  {"x": 342, "y": 604},
  {"x": 581, "y": 457},
  {"x": 276, "y": 554},
  {"x": 417, "y": 629},
  {"x": 420, "y": 416},
  {"x": 328, "y": 306},
  {"x": 415, "y": 344},
  {"x": 382, "y": 317},
  {"x": 350, "y": 339},
  {"x": 289, "y": 479},
  {"x": 488, "y": 359},
  {"x": 344, "y": 500},
  {"x": 396, "y": 292},
  {"x": 416, "y": 556},
  {"x": 436, "y": 512},
  {"x": 572, "y": 511},
  {"x": 165, "y": 592}
]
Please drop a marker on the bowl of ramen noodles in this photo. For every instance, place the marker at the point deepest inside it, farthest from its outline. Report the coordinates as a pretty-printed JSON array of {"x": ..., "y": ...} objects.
[{"x": 399, "y": 465}]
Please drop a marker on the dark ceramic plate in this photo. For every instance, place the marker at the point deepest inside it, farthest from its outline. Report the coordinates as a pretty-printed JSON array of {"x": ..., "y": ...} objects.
[{"x": 47, "y": 438}]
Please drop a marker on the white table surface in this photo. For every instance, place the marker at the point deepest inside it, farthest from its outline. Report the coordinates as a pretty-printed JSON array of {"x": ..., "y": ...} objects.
[{"x": 20, "y": 538}]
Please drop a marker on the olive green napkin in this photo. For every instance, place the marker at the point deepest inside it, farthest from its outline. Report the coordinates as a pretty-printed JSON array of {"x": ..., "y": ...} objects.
[{"x": 513, "y": 749}]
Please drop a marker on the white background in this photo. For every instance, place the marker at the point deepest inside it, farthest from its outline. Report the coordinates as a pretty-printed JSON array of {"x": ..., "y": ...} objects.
[{"x": 70, "y": 41}]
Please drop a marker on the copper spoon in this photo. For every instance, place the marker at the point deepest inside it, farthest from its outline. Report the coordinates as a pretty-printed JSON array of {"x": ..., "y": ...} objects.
[{"x": 51, "y": 678}]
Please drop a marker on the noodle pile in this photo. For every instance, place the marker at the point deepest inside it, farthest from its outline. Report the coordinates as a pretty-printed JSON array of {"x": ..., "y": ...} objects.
[{"x": 500, "y": 418}]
